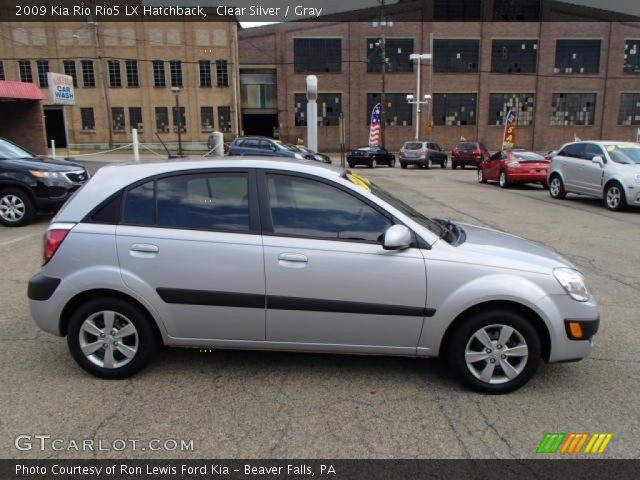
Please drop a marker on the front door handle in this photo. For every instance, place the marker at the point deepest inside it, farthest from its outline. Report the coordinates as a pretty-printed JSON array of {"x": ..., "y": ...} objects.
[
  {"x": 144, "y": 248},
  {"x": 293, "y": 257}
]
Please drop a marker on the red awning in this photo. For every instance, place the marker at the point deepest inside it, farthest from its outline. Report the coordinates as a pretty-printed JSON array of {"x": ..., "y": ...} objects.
[{"x": 20, "y": 90}]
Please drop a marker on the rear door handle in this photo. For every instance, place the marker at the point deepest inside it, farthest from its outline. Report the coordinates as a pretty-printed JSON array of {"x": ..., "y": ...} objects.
[
  {"x": 144, "y": 248},
  {"x": 293, "y": 257}
]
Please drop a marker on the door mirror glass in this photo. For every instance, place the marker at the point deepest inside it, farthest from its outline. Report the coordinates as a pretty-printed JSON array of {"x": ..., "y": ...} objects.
[
  {"x": 598, "y": 159},
  {"x": 396, "y": 237}
]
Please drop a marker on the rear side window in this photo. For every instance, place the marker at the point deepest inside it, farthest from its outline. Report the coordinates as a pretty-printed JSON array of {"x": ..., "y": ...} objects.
[
  {"x": 139, "y": 205},
  {"x": 205, "y": 202},
  {"x": 575, "y": 150},
  {"x": 109, "y": 213}
]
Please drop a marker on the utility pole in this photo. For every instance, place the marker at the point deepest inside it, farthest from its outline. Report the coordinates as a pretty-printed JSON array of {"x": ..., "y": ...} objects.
[
  {"x": 383, "y": 102},
  {"x": 178, "y": 117},
  {"x": 103, "y": 78}
]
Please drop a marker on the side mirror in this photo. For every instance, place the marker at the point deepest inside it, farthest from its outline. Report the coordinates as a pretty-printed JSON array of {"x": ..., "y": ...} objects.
[
  {"x": 598, "y": 159},
  {"x": 397, "y": 237}
]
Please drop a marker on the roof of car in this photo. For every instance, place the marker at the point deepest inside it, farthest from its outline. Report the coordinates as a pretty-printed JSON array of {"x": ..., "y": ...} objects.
[{"x": 113, "y": 178}]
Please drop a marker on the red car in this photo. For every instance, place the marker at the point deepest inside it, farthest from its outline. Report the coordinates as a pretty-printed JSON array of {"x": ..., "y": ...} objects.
[
  {"x": 468, "y": 153},
  {"x": 514, "y": 166}
]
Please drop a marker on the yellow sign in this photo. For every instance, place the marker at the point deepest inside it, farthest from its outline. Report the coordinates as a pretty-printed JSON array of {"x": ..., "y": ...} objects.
[{"x": 359, "y": 181}]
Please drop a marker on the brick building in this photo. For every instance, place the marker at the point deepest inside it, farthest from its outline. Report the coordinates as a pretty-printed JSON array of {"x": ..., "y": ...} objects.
[
  {"x": 142, "y": 62},
  {"x": 565, "y": 79}
]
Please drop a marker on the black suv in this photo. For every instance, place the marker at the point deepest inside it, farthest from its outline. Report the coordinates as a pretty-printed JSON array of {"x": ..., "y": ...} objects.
[
  {"x": 263, "y": 147},
  {"x": 31, "y": 184}
]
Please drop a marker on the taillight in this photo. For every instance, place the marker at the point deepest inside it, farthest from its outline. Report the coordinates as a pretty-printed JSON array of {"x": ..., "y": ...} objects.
[
  {"x": 477, "y": 153},
  {"x": 52, "y": 241},
  {"x": 454, "y": 152}
]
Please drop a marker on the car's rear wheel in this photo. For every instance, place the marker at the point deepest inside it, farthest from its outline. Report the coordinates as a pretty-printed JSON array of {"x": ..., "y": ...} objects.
[
  {"x": 429, "y": 162},
  {"x": 16, "y": 207},
  {"x": 351, "y": 164},
  {"x": 495, "y": 351},
  {"x": 403, "y": 165},
  {"x": 373, "y": 163},
  {"x": 614, "y": 197},
  {"x": 454, "y": 165},
  {"x": 392, "y": 163},
  {"x": 503, "y": 181},
  {"x": 111, "y": 338},
  {"x": 443, "y": 164},
  {"x": 481, "y": 177},
  {"x": 556, "y": 187}
]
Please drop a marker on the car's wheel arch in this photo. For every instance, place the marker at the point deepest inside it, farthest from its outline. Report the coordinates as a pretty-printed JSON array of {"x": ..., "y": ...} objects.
[
  {"x": 5, "y": 184},
  {"x": 608, "y": 184}
]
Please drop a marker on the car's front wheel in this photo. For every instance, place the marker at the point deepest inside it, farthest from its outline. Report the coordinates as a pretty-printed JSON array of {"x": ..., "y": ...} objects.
[
  {"x": 373, "y": 163},
  {"x": 403, "y": 165},
  {"x": 16, "y": 208},
  {"x": 481, "y": 177},
  {"x": 495, "y": 351},
  {"x": 392, "y": 163},
  {"x": 503, "y": 181},
  {"x": 111, "y": 338},
  {"x": 444, "y": 163},
  {"x": 614, "y": 197}
]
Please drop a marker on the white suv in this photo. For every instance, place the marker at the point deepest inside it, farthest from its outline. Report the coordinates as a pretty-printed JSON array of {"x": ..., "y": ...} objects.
[{"x": 607, "y": 170}]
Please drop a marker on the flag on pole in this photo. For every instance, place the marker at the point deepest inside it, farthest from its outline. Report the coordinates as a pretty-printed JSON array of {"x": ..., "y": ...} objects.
[
  {"x": 509, "y": 137},
  {"x": 374, "y": 132}
]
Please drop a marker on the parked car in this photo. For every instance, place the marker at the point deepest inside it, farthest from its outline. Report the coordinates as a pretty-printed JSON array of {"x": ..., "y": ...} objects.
[
  {"x": 606, "y": 170},
  {"x": 31, "y": 184},
  {"x": 263, "y": 147},
  {"x": 468, "y": 153},
  {"x": 311, "y": 155},
  {"x": 509, "y": 167},
  {"x": 284, "y": 255},
  {"x": 371, "y": 157},
  {"x": 422, "y": 154}
]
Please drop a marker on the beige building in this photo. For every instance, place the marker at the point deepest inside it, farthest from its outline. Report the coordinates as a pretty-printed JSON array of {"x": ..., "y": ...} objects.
[{"x": 127, "y": 75}]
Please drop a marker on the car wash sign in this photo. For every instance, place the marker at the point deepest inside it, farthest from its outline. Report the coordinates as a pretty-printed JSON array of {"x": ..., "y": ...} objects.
[{"x": 61, "y": 89}]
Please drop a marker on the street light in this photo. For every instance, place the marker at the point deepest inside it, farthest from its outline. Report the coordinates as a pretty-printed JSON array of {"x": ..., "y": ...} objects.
[
  {"x": 425, "y": 100},
  {"x": 176, "y": 90},
  {"x": 417, "y": 57}
]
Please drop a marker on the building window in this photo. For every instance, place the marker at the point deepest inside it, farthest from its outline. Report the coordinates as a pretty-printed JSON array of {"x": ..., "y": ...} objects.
[
  {"x": 2, "y": 70},
  {"x": 398, "y": 51},
  {"x": 88, "y": 75},
  {"x": 206, "y": 119},
  {"x": 175, "y": 67},
  {"x": 69, "y": 67},
  {"x": 205, "y": 73},
  {"x": 632, "y": 56},
  {"x": 452, "y": 109},
  {"x": 222, "y": 73},
  {"x": 115, "y": 79},
  {"x": 573, "y": 109},
  {"x": 521, "y": 10},
  {"x": 43, "y": 69},
  {"x": 131, "y": 67},
  {"x": 329, "y": 108},
  {"x": 629, "y": 109},
  {"x": 457, "y": 9},
  {"x": 224, "y": 119},
  {"x": 182, "y": 120},
  {"x": 501, "y": 103},
  {"x": 451, "y": 55},
  {"x": 159, "y": 79},
  {"x": 514, "y": 56},
  {"x": 577, "y": 56},
  {"x": 24, "y": 68},
  {"x": 397, "y": 111},
  {"x": 88, "y": 121},
  {"x": 135, "y": 118},
  {"x": 162, "y": 119},
  {"x": 117, "y": 119},
  {"x": 317, "y": 55}
]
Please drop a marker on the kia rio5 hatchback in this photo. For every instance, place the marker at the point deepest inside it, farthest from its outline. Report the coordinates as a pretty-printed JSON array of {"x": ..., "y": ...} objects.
[{"x": 277, "y": 255}]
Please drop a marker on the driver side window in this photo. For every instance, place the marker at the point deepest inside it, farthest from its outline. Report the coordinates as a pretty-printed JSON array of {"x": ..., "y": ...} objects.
[{"x": 309, "y": 208}]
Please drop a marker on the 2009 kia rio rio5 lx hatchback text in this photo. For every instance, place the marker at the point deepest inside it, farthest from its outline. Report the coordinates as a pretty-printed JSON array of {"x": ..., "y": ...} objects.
[{"x": 271, "y": 254}]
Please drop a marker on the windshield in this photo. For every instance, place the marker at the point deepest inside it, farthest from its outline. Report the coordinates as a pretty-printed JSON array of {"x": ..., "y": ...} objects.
[
  {"x": 9, "y": 151},
  {"x": 624, "y": 153},
  {"x": 466, "y": 146},
  {"x": 413, "y": 146}
]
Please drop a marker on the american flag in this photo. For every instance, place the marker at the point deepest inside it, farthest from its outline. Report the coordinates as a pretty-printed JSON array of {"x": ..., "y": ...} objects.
[{"x": 374, "y": 132}]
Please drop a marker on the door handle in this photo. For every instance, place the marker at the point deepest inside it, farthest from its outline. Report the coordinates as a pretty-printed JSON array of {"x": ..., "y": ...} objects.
[
  {"x": 293, "y": 257},
  {"x": 144, "y": 248}
]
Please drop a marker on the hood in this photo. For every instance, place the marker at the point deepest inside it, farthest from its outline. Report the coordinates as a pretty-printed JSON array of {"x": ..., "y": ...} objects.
[
  {"x": 42, "y": 163},
  {"x": 516, "y": 252}
]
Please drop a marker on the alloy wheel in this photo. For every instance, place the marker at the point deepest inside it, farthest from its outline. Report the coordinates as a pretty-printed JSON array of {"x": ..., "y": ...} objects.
[
  {"x": 614, "y": 196},
  {"x": 480, "y": 175},
  {"x": 496, "y": 354},
  {"x": 12, "y": 208},
  {"x": 503, "y": 179},
  {"x": 108, "y": 339}
]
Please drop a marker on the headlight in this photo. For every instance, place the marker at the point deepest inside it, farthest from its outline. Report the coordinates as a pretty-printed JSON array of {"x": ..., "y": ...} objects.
[
  {"x": 573, "y": 282},
  {"x": 298, "y": 156},
  {"x": 44, "y": 174}
]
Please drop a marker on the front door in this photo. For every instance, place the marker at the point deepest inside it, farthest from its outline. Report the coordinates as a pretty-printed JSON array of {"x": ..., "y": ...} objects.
[
  {"x": 192, "y": 242},
  {"x": 329, "y": 281}
]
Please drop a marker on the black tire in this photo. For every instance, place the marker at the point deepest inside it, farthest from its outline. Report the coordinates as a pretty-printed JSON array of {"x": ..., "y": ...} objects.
[
  {"x": 16, "y": 202},
  {"x": 392, "y": 163},
  {"x": 614, "y": 197},
  {"x": 454, "y": 165},
  {"x": 481, "y": 177},
  {"x": 503, "y": 179},
  {"x": 351, "y": 165},
  {"x": 147, "y": 338},
  {"x": 373, "y": 163},
  {"x": 429, "y": 163},
  {"x": 556, "y": 187},
  {"x": 443, "y": 164},
  {"x": 463, "y": 336},
  {"x": 403, "y": 165}
]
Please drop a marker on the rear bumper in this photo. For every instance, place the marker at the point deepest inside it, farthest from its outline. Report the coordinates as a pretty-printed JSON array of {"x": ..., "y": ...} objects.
[
  {"x": 413, "y": 160},
  {"x": 466, "y": 161},
  {"x": 515, "y": 177},
  {"x": 42, "y": 287}
]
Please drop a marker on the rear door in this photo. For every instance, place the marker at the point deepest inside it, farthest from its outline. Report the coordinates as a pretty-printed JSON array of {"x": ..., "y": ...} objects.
[
  {"x": 590, "y": 175},
  {"x": 572, "y": 160},
  {"x": 190, "y": 243}
]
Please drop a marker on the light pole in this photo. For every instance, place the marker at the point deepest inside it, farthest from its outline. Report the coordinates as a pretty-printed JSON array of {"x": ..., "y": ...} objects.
[
  {"x": 176, "y": 90},
  {"x": 416, "y": 57},
  {"x": 417, "y": 102}
]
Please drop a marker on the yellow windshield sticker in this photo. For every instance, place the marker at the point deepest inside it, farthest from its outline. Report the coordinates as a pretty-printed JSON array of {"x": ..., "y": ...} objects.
[
  {"x": 359, "y": 181},
  {"x": 611, "y": 148}
]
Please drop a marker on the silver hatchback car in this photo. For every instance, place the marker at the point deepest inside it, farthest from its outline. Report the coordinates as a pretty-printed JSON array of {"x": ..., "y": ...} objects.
[
  {"x": 276, "y": 255},
  {"x": 607, "y": 170}
]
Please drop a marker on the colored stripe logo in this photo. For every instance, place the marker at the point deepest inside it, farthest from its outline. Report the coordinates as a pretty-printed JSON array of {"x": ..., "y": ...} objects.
[{"x": 573, "y": 443}]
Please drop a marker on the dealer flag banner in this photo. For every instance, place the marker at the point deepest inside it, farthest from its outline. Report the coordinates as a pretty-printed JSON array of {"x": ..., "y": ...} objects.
[
  {"x": 509, "y": 138},
  {"x": 61, "y": 89}
]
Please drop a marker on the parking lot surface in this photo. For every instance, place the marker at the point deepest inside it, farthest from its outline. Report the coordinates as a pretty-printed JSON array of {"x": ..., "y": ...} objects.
[{"x": 284, "y": 405}]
